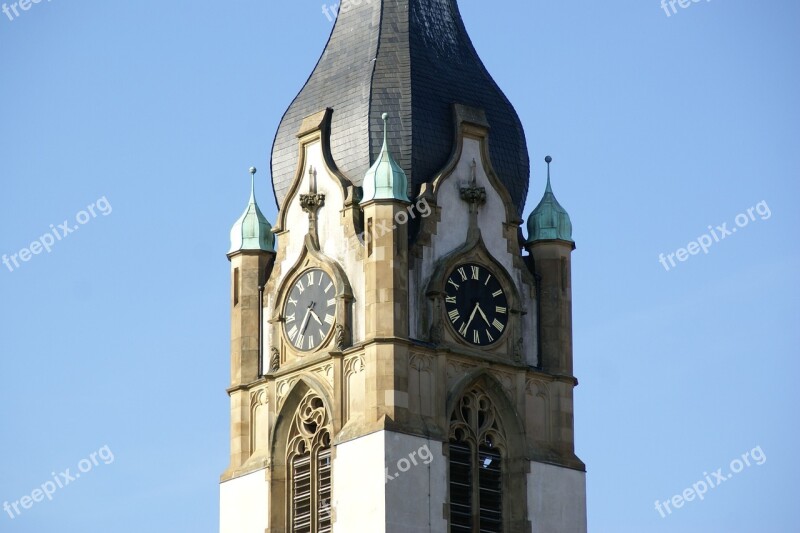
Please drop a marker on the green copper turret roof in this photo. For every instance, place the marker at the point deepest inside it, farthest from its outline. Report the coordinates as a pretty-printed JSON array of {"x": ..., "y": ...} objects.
[
  {"x": 386, "y": 180},
  {"x": 252, "y": 232},
  {"x": 549, "y": 221}
]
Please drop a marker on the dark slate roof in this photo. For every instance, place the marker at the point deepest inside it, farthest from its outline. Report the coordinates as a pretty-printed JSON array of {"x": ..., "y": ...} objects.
[{"x": 412, "y": 59}]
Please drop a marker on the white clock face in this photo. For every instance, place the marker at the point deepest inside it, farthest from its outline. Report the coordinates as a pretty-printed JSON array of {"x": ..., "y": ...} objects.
[{"x": 310, "y": 310}]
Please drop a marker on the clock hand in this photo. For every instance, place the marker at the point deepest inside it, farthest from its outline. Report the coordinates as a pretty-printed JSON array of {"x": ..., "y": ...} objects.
[
  {"x": 316, "y": 317},
  {"x": 305, "y": 320},
  {"x": 472, "y": 315},
  {"x": 483, "y": 315}
]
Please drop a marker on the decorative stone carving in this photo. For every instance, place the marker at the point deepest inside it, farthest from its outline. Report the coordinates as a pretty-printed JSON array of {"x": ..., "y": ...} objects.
[
  {"x": 473, "y": 194},
  {"x": 475, "y": 420},
  {"x": 519, "y": 350},
  {"x": 311, "y": 203},
  {"x": 283, "y": 389},
  {"x": 537, "y": 407},
  {"x": 274, "y": 360},
  {"x": 455, "y": 371},
  {"x": 259, "y": 421},
  {"x": 506, "y": 380},
  {"x": 341, "y": 337},
  {"x": 326, "y": 372},
  {"x": 421, "y": 385},
  {"x": 355, "y": 386}
]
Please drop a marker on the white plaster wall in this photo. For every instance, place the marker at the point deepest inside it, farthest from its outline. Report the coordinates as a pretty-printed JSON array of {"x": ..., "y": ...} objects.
[
  {"x": 455, "y": 212},
  {"x": 556, "y": 499},
  {"x": 415, "y": 498},
  {"x": 358, "y": 485},
  {"x": 334, "y": 242},
  {"x": 365, "y": 500},
  {"x": 452, "y": 233},
  {"x": 244, "y": 504}
]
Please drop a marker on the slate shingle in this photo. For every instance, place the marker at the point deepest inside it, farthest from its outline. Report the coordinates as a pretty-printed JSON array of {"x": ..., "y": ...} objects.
[{"x": 412, "y": 59}]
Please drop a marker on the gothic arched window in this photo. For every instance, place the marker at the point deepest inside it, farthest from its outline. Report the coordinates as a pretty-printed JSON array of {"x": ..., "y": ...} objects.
[
  {"x": 477, "y": 448},
  {"x": 309, "y": 461}
]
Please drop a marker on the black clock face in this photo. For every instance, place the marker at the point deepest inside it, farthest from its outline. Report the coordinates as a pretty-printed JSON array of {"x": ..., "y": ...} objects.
[
  {"x": 477, "y": 307},
  {"x": 310, "y": 310}
]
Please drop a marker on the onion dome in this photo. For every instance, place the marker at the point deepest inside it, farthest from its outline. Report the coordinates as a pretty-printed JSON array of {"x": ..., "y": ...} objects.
[
  {"x": 252, "y": 232},
  {"x": 549, "y": 221},
  {"x": 385, "y": 180}
]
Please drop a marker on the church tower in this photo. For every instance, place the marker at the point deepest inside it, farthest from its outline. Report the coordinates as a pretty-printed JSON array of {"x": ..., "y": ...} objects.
[{"x": 401, "y": 357}]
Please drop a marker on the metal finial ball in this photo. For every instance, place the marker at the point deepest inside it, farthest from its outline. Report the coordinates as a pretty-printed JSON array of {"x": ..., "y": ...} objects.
[
  {"x": 548, "y": 159},
  {"x": 385, "y": 116},
  {"x": 252, "y": 170}
]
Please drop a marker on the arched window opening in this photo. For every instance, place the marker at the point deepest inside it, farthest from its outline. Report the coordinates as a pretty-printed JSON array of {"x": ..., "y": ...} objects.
[
  {"x": 309, "y": 456},
  {"x": 477, "y": 449}
]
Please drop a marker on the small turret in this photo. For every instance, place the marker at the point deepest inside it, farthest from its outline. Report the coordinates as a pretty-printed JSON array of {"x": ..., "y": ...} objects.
[
  {"x": 385, "y": 180},
  {"x": 385, "y": 284},
  {"x": 549, "y": 221},
  {"x": 252, "y": 256},
  {"x": 252, "y": 232},
  {"x": 550, "y": 244}
]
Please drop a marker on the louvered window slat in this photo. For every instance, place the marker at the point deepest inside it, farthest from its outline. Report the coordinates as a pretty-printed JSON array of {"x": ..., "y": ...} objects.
[
  {"x": 301, "y": 494},
  {"x": 460, "y": 487},
  {"x": 324, "y": 491}
]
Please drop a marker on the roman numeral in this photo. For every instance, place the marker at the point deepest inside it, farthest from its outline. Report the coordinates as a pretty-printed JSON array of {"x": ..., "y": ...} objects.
[
  {"x": 300, "y": 286},
  {"x": 298, "y": 342},
  {"x": 501, "y": 310},
  {"x": 476, "y": 337},
  {"x": 489, "y": 336},
  {"x": 463, "y": 330},
  {"x": 291, "y": 318},
  {"x": 463, "y": 274},
  {"x": 497, "y": 293},
  {"x": 450, "y": 300},
  {"x": 329, "y": 286},
  {"x": 487, "y": 279},
  {"x": 329, "y": 319},
  {"x": 475, "y": 272},
  {"x": 453, "y": 283},
  {"x": 293, "y": 302},
  {"x": 293, "y": 333},
  {"x": 498, "y": 325},
  {"x": 310, "y": 342},
  {"x": 311, "y": 278},
  {"x": 454, "y": 316},
  {"x": 331, "y": 302}
]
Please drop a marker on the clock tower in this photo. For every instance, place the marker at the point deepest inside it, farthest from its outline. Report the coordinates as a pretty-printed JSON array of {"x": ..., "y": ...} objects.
[{"x": 401, "y": 353}]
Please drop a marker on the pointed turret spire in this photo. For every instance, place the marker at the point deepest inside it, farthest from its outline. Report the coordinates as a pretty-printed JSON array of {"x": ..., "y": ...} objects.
[
  {"x": 252, "y": 231},
  {"x": 385, "y": 180},
  {"x": 549, "y": 188},
  {"x": 549, "y": 221}
]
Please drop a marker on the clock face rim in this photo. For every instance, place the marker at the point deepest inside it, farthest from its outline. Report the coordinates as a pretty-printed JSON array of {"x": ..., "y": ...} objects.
[
  {"x": 453, "y": 271},
  {"x": 291, "y": 287}
]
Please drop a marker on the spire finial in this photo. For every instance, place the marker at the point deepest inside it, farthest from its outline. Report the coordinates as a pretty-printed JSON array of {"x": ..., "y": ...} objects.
[
  {"x": 548, "y": 160},
  {"x": 253, "y": 171},
  {"x": 474, "y": 167},
  {"x": 385, "y": 118}
]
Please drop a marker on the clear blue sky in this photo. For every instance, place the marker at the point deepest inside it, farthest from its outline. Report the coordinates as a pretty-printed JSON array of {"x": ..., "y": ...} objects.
[{"x": 659, "y": 127}]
